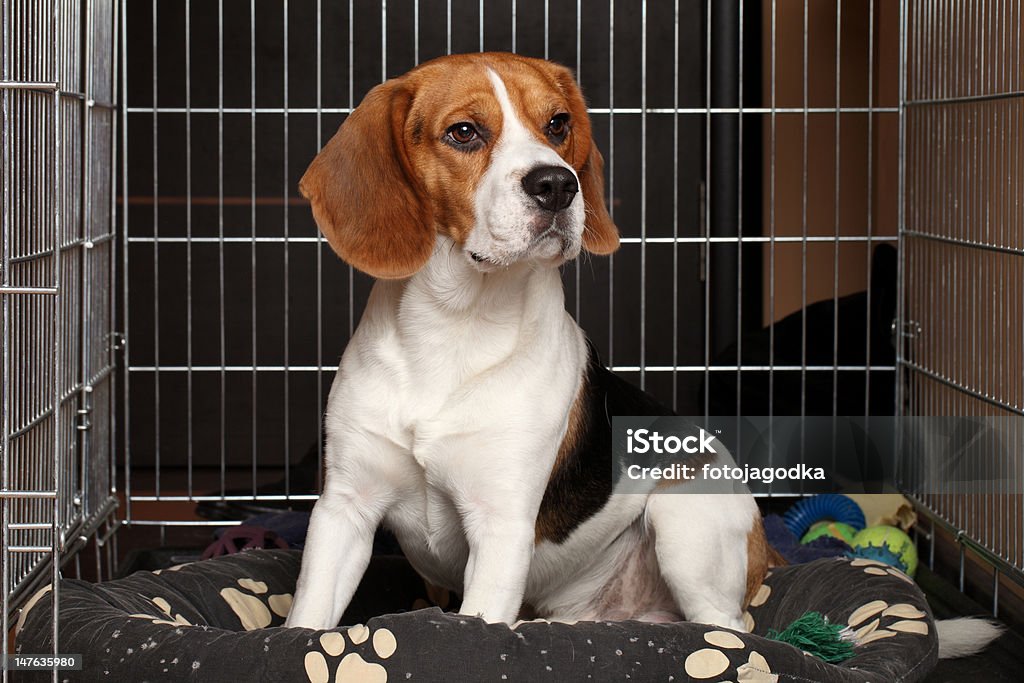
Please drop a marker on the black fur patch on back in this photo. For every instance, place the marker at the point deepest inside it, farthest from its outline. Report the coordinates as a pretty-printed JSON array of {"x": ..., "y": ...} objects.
[{"x": 581, "y": 482}]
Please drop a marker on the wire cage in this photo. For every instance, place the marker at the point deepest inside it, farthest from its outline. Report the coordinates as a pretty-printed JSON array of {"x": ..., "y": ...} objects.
[
  {"x": 962, "y": 275},
  {"x": 57, "y": 272},
  {"x": 727, "y": 175},
  {"x": 764, "y": 159}
]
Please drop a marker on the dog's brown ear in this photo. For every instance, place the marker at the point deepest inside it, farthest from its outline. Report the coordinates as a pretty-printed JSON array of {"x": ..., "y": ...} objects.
[
  {"x": 600, "y": 236},
  {"x": 363, "y": 192}
]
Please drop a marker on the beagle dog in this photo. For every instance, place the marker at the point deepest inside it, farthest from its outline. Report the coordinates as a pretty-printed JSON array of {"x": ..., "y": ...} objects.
[{"x": 469, "y": 414}]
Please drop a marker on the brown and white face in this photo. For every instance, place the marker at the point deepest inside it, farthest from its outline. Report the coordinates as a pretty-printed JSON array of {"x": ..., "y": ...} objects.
[{"x": 493, "y": 150}]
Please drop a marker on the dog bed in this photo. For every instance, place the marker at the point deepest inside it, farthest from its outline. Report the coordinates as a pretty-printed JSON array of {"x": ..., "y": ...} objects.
[{"x": 219, "y": 619}]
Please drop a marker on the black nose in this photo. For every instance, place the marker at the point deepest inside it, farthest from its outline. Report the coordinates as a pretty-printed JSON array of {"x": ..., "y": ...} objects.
[{"x": 552, "y": 186}]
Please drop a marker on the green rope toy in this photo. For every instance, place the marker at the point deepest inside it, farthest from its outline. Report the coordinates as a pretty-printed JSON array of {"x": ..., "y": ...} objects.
[{"x": 813, "y": 634}]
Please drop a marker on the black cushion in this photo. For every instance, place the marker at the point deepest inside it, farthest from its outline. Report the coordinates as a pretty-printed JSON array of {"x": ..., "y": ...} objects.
[{"x": 220, "y": 619}]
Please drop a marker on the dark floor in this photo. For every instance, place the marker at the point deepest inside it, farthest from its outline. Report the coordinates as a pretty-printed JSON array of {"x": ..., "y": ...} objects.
[{"x": 1002, "y": 661}]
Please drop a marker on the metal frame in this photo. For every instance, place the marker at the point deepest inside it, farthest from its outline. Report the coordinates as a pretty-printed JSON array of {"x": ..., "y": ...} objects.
[
  {"x": 56, "y": 291},
  {"x": 961, "y": 321}
]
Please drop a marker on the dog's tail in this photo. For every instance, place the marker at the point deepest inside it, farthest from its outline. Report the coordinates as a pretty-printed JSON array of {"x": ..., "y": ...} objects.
[{"x": 965, "y": 636}]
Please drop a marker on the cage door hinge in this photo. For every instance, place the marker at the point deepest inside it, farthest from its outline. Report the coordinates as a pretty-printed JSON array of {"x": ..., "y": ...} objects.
[{"x": 85, "y": 409}]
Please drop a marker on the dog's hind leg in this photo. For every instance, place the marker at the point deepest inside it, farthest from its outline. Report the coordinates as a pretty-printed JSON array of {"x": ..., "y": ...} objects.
[{"x": 701, "y": 545}]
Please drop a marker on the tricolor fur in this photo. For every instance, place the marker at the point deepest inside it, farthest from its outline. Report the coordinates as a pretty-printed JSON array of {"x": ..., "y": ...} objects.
[{"x": 469, "y": 414}]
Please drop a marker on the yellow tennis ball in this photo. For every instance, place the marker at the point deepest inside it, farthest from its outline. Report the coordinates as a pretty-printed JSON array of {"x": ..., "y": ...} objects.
[{"x": 887, "y": 544}]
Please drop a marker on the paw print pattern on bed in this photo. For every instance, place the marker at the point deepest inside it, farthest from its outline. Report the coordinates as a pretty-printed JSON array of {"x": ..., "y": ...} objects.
[
  {"x": 711, "y": 663},
  {"x": 901, "y": 618},
  {"x": 876, "y": 568},
  {"x": 253, "y": 607},
  {"x": 165, "y": 616},
  {"x": 352, "y": 666},
  {"x": 136, "y": 629}
]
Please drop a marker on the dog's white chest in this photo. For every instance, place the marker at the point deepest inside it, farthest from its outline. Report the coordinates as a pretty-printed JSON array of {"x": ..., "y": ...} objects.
[{"x": 463, "y": 403}]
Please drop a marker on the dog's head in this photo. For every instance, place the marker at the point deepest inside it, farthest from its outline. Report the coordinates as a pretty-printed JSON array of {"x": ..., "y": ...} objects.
[{"x": 493, "y": 150}]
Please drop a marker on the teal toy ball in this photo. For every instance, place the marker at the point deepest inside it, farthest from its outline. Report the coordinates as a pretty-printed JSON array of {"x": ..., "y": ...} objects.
[
  {"x": 886, "y": 544},
  {"x": 844, "y": 532}
]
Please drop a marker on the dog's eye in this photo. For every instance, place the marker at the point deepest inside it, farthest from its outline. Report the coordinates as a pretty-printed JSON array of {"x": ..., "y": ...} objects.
[
  {"x": 462, "y": 133},
  {"x": 558, "y": 128}
]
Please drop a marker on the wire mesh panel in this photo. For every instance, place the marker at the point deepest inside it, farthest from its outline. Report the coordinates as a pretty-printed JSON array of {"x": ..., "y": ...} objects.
[
  {"x": 57, "y": 285},
  {"x": 750, "y": 156},
  {"x": 963, "y": 254}
]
